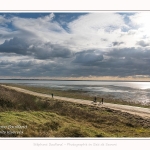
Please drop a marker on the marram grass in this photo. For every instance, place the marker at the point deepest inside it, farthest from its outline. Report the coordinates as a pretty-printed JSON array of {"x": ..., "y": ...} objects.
[{"x": 23, "y": 115}]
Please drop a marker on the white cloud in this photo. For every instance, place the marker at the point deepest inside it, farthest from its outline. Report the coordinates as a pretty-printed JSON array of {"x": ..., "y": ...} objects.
[
  {"x": 95, "y": 21},
  {"x": 5, "y": 32},
  {"x": 90, "y": 30},
  {"x": 140, "y": 21},
  {"x": 41, "y": 29},
  {"x": 101, "y": 41},
  {"x": 3, "y": 20}
]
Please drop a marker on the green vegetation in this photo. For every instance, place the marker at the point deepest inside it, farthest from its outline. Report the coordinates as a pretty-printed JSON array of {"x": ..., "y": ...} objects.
[
  {"x": 44, "y": 124},
  {"x": 54, "y": 118},
  {"x": 78, "y": 94}
]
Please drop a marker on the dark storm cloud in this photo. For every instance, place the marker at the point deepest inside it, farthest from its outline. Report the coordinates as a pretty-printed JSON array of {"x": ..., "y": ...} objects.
[
  {"x": 36, "y": 50},
  {"x": 49, "y": 50},
  {"x": 47, "y": 46},
  {"x": 137, "y": 53},
  {"x": 89, "y": 57},
  {"x": 117, "y": 43},
  {"x": 143, "y": 43},
  {"x": 128, "y": 61},
  {"x": 55, "y": 69},
  {"x": 31, "y": 67},
  {"x": 117, "y": 62},
  {"x": 14, "y": 45},
  {"x": 25, "y": 64},
  {"x": 16, "y": 67},
  {"x": 4, "y": 63},
  {"x": 5, "y": 36},
  {"x": 34, "y": 58}
]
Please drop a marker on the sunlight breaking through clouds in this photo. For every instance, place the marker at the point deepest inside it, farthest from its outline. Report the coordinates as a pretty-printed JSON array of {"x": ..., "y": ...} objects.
[{"x": 75, "y": 44}]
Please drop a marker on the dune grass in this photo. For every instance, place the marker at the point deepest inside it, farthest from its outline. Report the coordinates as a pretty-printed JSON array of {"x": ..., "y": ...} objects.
[
  {"x": 54, "y": 118},
  {"x": 45, "y": 124}
]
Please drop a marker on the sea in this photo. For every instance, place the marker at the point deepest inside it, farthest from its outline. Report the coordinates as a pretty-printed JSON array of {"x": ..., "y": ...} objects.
[{"x": 120, "y": 90}]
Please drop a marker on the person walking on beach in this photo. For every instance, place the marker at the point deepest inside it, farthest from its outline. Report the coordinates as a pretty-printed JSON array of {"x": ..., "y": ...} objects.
[
  {"x": 95, "y": 99},
  {"x": 102, "y": 100},
  {"x": 52, "y": 95}
]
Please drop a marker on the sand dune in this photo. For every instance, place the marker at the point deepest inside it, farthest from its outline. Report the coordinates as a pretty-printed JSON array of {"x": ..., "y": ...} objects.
[{"x": 143, "y": 112}]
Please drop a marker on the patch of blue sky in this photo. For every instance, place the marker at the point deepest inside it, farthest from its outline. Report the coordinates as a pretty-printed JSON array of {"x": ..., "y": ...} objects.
[
  {"x": 25, "y": 14},
  {"x": 127, "y": 20},
  {"x": 64, "y": 18},
  {"x": 8, "y": 16}
]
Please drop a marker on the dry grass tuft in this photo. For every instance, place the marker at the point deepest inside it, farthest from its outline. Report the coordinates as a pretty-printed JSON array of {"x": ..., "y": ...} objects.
[{"x": 54, "y": 118}]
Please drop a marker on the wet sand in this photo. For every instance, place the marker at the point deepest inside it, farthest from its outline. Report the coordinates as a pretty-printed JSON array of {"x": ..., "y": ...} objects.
[{"x": 140, "y": 111}]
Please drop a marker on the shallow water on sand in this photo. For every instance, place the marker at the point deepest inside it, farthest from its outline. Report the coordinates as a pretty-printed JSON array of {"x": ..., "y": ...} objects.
[{"x": 129, "y": 91}]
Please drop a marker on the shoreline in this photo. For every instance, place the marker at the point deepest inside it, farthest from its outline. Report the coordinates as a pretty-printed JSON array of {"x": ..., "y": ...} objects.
[
  {"x": 140, "y": 111},
  {"x": 79, "y": 94},
  {"x": 66, "y": 117}
]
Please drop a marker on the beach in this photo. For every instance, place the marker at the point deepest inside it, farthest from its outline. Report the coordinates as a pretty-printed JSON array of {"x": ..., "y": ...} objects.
[
  {"x": 143, "y": 112},
  {"x": 45, "y": 115}
]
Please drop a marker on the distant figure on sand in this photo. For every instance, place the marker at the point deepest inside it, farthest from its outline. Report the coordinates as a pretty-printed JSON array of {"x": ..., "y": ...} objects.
[
  {"x": 95, "y": 99},
  {"x": 52, "y": 95},
  {"x": 102, "y": 100}
]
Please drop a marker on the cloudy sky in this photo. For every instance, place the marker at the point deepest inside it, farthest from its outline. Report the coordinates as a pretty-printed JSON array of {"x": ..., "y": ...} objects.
[{"x": 73, "y": 44}]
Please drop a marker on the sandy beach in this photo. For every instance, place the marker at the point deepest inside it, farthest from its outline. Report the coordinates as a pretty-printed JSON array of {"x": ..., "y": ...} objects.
[{"x": 143, "y": 112}]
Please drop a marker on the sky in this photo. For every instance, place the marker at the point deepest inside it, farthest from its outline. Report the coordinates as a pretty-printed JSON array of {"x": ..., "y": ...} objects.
[{"x": 73, "y": 45}]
